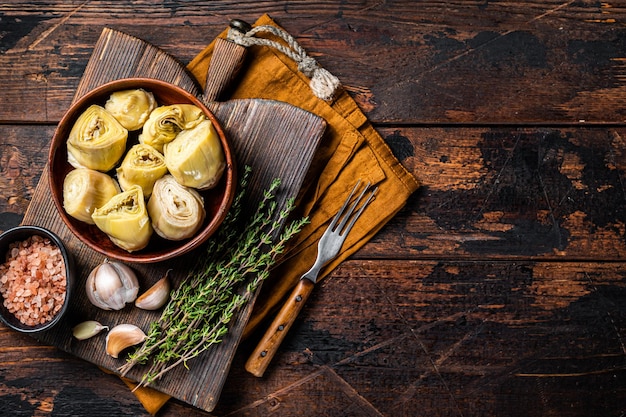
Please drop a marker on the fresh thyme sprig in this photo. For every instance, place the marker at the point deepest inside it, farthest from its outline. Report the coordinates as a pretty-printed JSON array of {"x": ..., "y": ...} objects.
[{"x": 199, "y": 312}]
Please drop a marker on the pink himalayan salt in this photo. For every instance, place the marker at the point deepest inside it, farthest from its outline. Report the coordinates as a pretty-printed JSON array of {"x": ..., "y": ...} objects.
[{"x": 33, "y": 280}]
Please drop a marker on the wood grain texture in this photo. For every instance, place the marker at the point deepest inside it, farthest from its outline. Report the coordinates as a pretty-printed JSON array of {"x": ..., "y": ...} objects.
[
  {"x": 507, "y": 192},
  {"x": 227, "y": 59},
  {"x": 406, "y": 62},
  {"x": 452, "y": 338},
  {"x": 499, "y": 290},
  {"x": 424, "y": 336},
  {"x": 487, "y": 192}
]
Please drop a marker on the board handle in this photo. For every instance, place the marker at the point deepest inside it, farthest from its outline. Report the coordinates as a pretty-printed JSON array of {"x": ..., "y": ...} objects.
[
  {"x": 227, "y": 60},
  {"x": 268, "y": 346}
]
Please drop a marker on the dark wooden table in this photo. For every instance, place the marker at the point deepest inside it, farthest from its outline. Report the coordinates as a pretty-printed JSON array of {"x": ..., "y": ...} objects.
[{"x": 498, "y": 291}]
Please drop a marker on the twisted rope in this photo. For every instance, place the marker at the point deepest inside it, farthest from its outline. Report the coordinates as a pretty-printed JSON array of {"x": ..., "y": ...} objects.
[{"x": 323, "y": 84}]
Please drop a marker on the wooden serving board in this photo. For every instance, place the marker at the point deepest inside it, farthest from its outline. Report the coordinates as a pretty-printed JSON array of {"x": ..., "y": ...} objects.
[{"x": 276, "y": 139}]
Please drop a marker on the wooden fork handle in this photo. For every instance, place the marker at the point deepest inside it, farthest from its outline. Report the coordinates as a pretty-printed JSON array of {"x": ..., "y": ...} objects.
[{"x": 268, "y": 346}]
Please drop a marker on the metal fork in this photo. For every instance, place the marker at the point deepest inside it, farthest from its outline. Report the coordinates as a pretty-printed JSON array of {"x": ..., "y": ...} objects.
[
  {"x": 332, "y": 240},
  {"x": 327, "y": 249}
]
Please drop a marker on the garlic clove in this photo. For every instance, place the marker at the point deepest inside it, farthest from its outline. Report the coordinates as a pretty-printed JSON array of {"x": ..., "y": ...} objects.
[
  {"x": 111, "y": 285},
  {"x": 108, "y": 286},
  {"x": 123, "y": 336},
  {"x": 87, "y": 329},
  {"x": 156, "y": 296}
]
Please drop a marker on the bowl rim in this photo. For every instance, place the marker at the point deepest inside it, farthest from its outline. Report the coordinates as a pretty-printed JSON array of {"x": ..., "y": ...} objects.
[
  {"x": 22, "y": 232},
  {"x": 230, "y": 173}
]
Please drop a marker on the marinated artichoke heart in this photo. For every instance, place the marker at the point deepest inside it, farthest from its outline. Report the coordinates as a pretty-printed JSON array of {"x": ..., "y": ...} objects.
[
  {"x": 142, "y": 166},
  {"x": 125, "y": 220},
  {"x": 177, "y": 212},
  {"x": 196, "y": 158},
  {"x": 84, "y": 190},
  {"x": 97, "y": 140},
  {"x": 165, "y": 122},
  {"x": 131, "y": 107}
]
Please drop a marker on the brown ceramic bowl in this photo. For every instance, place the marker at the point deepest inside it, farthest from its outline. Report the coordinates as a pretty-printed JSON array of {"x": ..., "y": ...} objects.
[{"x": 217, "y": 200}]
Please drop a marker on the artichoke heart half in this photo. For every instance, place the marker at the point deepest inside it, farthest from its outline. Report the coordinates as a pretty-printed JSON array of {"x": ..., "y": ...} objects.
[
  {"x": 97, "y": 140},
  {"x": 124, "y": 218},
  {"x": 84, "y": 190},
  {"x": 131, "y": 107},
  {"x": 142, "y": 166},
  {"x": 177, "y": 212},
  {"x": 165, "y": 122},
  {"x": 196, "y": 158}
]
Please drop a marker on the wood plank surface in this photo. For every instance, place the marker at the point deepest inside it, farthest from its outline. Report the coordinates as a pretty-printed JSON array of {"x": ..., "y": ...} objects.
[
  {"x": 501, "y": 192},
  {"x": 406, "y": 62},
  {"x": 499, "y": 290},
  {"x": 418, "y": 338}
]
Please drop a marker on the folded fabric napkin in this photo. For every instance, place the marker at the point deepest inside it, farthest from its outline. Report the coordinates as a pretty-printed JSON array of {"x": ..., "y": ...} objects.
[{"x": 351, "y": 149}]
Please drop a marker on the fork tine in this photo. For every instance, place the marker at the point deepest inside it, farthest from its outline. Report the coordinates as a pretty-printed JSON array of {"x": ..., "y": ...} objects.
[
  {"x": 342, "y": 229},
  {"x": 360, "y": 211},
  {"x": 346, "y": 217},
  {"x": 343, "y": 207}
]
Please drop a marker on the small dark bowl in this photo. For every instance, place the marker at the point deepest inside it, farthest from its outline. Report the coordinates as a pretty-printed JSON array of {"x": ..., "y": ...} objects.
[
  {"x": 217, "y": 201},
  {"x": 21, "y": 233}
]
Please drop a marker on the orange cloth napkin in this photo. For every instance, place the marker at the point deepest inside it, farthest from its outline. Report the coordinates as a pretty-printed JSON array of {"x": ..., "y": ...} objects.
[{"x": 351, "y": 149}]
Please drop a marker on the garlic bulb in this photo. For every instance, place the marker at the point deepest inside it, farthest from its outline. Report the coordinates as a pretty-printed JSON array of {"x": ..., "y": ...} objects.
[
  {"x": 111, "y": 285},
  {"x": 156, "y": 296},
  {"x": 123, "y": 336},
  {"x": 87, "y": 329}
]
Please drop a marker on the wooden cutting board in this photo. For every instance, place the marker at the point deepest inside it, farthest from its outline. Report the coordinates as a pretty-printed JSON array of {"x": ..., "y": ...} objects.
[{"x": 276, "y": 139}]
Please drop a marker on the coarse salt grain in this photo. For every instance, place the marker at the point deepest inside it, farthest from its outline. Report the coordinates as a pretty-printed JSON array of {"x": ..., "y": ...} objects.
[{"x": 32, "y": 294}]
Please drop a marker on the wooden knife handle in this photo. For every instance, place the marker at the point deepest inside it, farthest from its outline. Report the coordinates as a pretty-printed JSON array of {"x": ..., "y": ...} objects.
[
  {"x": 268, "y": 346},
  {"x": 227, "y": 60}
]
